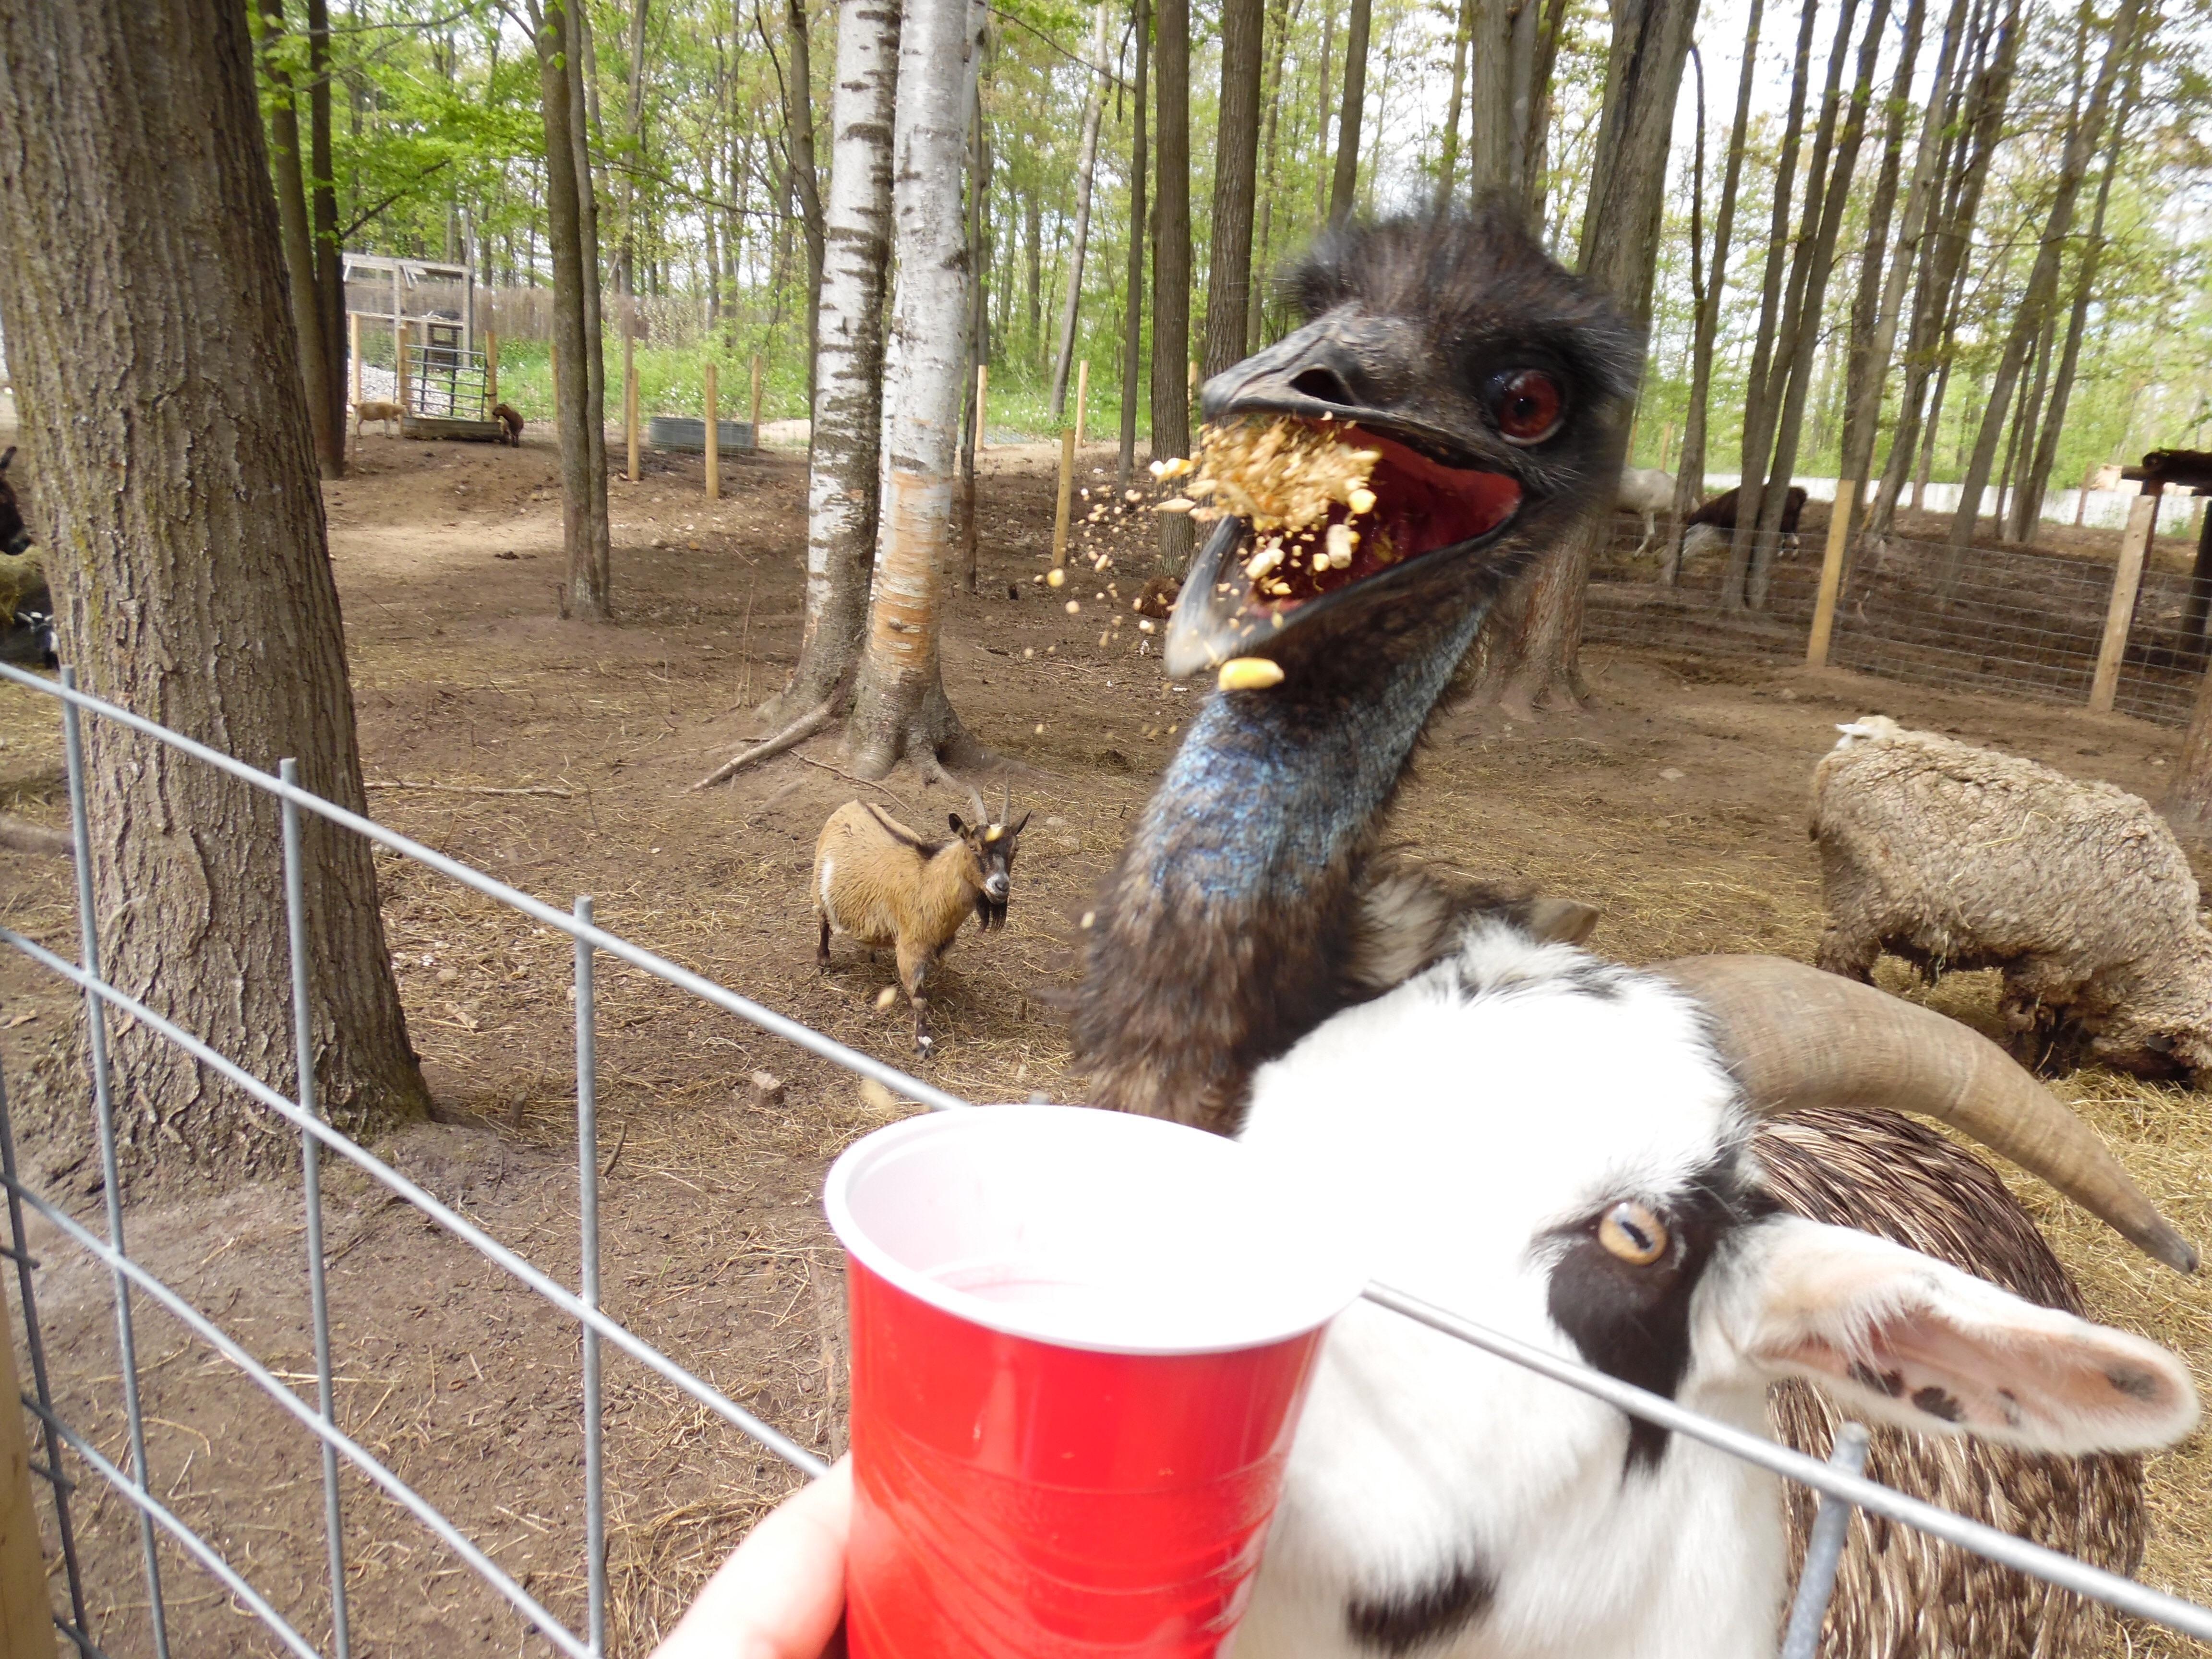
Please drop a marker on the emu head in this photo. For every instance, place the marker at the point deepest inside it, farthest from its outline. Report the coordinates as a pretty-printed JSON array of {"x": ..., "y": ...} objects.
[
  {"x": 1492, "y": 381},
  {"x": 15, "y": 536},
  {"x": 993, "y": 842}
]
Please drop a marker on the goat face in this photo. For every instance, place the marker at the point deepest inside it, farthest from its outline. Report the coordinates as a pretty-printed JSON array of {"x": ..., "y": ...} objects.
[
  {"x": 993, "y": 846},
  {"x": 1552, "y": 1146},
  {"x": 1491, "y": 380},
  {"x": 15, "y": 536}
]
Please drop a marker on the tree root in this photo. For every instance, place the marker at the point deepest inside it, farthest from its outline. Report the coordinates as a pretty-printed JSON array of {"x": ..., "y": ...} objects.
[{"x": 790, "y": 738}]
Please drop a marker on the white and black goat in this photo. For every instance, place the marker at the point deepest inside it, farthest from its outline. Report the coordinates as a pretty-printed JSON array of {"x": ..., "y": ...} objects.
[
  {"x": 1563, "y": 1149},
  {"x": 878, "y": 881}
]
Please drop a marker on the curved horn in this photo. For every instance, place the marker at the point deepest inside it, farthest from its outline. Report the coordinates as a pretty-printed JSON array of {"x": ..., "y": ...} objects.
[
  {"x": 1006, "y": 794},
  {"x": 1794, "y": 1036}
]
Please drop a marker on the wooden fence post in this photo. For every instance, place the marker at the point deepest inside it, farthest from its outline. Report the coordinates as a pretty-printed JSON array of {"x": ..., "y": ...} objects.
[
  {"x": 2127, "y": 581},
  {"x": 353, "y": 354},
  {"x": 1082, "y": 398},
  {"x": 1831, "y": 569},
  {"x": 713, "y": 437},
  {"x": 983, "y": 397},
  {"x": 756, "y": 402},
  {"x": 27, "y": 1622},
  {"x": 629, "y": 382},
  {"x": 491, "y": 366},
  {"x": 1067, "y": 489},
  {"x": 399, "y": 371}
]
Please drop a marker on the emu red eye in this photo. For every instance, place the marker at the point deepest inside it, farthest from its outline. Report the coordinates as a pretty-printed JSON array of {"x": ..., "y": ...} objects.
[
  {"x": 1633, "y": 1232},
  {"x": 1526, "y": 404}
]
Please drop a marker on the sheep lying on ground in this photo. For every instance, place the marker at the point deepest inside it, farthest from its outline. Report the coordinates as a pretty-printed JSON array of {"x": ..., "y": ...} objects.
[{"x": 1957, "y": 858}]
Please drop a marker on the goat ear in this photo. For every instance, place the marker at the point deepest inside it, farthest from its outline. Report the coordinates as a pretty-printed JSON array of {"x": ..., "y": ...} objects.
[
  {"x": 958, "y": 827},
  {"x": 1015, "y": 830},
  {"x": 1561, "y": 920},
  {"x": 6, "y": 456},
  {"x": 1904, "y": 1339}
]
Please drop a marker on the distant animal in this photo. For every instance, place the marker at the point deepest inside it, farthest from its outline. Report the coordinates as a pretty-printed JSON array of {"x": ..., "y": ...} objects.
[
  {"x": 1713, "y": 522},
  {"x": 1157, "y": 597},
  {"x": 1958, "y": 858},
  {"x": 884, "y": 884},
  {"x": 505, "y": 415},
  {"x": 15, "y": 535},
  {"x": 1647, "y": 490},
  {"x": 375, "y": 410},
  {"x": 2107, "y": 476},
  {"x": 1251, "y": 903}
]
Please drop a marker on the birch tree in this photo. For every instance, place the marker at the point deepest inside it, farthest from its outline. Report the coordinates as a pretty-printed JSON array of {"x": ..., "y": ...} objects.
[
  {"x": 900, "y": 708},
  {"x": 1133, "y": 320},
  {"x": 1086, "y": 167}
]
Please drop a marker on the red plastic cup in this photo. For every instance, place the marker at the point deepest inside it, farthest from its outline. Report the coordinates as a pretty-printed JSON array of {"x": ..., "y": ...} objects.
[{"x": 1081, "y": 1342}]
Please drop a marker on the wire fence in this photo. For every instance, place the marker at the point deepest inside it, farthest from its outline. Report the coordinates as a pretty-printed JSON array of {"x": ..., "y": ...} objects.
[
  {"x": 133, "y": 1285},
  {"x": 2011, "y": 621}
]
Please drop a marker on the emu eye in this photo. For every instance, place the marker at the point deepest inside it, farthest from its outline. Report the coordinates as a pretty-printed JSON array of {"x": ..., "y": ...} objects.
[
  {"x": 1528, "y": 405},
  {"x": 1633, "y": 1232}
]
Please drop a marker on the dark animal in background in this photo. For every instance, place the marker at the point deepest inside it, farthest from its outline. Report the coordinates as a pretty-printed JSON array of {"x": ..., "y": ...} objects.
[
  {"x": 505, "y": 415},
  {"x": 1252, "y": 889},
  {"x": 15, "y": 536},
  {"x": 1720, "y": 512},
  {"x": 879, "y": 882},
  {"x": 26, "y": 606}
]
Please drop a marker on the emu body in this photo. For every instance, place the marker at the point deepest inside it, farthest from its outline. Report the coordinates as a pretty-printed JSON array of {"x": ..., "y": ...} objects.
[{"x": 879, "y": 882}]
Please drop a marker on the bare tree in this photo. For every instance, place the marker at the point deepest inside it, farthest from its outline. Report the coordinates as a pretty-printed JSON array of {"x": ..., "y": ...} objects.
[
  {"x": 1282, "y": 15},
  {"x": 1236, "y": 169},
  {"x": 2031, "y": 315},
  {"x": 299, "y": 241},
  {"x": 900, "y": 709},
  {"x": 1344, "y": 181},
  {"x": 1133, "y": 323},
  {"x": 323, "y": 214},
  {"x": 1086, "y": 167},
  {"x": 1690, "y": 473},
  {"x": 848, "y": 374},
  {"x": 1448, "y": 163},
  {"x": 183, "y": 516},
  {"x": 797, "y": 82},
  {"x": 1530, "y": 652},
  {"x": 1172, "y": 268}
]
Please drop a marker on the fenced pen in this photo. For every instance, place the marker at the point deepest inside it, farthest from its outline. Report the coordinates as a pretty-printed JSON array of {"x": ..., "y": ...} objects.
[
  {"x": 2011, "y": 621},
  {"x": 298, "y": 1593}
]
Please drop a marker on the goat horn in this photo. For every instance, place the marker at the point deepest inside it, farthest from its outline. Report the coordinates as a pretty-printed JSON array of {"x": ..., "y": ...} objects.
[
  {"x": 1795, "y": 1036},
  {"x": 1006, "y": 794}
]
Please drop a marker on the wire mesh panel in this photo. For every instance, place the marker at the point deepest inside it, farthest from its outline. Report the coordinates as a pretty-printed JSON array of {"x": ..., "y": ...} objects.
[{"x": 299, "y": 1590}]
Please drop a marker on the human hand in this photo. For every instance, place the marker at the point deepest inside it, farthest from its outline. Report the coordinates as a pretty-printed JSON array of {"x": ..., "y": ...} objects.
[{"x": 782, "y": 1593}]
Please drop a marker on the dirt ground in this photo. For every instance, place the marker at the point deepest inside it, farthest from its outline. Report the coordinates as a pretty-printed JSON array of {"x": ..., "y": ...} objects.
[{"x": 1676, "y": 802}]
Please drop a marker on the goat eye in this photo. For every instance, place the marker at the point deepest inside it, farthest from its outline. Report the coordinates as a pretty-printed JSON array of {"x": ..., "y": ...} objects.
[
  {"x": 1633, "y": 1232},
  {"x": 1528, "y": 405}
]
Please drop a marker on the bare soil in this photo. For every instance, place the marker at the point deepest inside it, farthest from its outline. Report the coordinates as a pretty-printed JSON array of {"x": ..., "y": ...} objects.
[{"x": 1676, "y": 802}]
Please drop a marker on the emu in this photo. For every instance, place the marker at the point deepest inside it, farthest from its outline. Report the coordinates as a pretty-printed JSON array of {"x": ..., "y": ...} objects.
[
  {"x": 1239, "y": 916},
  {"x": 878, "y": 881},
  {"x": 1619, "y": 1211}
]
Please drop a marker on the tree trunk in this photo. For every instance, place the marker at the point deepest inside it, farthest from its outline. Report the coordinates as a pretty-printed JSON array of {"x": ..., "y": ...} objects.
[
  {"x": 1086, "y": 167},
  {"x": 184, "y": 527},
  {"x": 1823, "y": 223},
  {"x": 1283, "y": 14},
  {"x": 1235, "y": 175},
  {"x": 972, "y": 436},
  {"x": 849, "y": 374},
  {"x": 1448, "y": 163},
  {"x": 2093, "y": 253},
  {"x": 901, "y": 708},
  {"x": 575, "y": 339},
  {"x": 1344, "y": 182},
  {"x": 1759, "y": 413},
  {"x": 2042, "y": 287},
  {"x": 1323, "y": 108},
  {"x": 298, "y": 233},
  {"x": 1869, "y": 367},
  {"x": 598, "y": 605},
  {"x": 1530, "y": 660},
  {"x": 1171, "y": 269},
  {"x": 2188, "y": 806},
  {"x": 1690, "y": 473},
  {"x": 1133, "y": 322},
  {"x": 323, "y": 214},
  {"x": 1867, "y": 293},
  {"x": 799, "y": 125}
]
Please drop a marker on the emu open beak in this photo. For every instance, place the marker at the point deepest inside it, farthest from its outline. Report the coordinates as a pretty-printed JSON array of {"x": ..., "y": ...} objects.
[{"x": 1433, "y": 500}]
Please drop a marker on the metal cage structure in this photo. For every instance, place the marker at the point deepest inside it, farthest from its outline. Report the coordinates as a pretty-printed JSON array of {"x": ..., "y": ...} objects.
[{"x": 1842, "y": 1488}]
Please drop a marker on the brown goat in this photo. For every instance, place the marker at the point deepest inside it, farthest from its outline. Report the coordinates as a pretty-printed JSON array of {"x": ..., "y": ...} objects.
[
  {"x": 375, "y": 409},
  {"x": 877, "y": 880},
  {"x": 513, "y": 423}
]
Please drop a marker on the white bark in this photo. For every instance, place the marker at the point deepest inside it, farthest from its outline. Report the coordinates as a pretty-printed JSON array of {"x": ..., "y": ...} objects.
[
  {"x": 848, "y": 359},
  {"x": 1094, "y": 108},
  {"x": 924, "y": 364}
]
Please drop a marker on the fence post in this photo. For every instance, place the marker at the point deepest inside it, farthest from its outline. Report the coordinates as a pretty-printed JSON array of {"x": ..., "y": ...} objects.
[
  {"x": 1067, "y": 489},
  {"x": 756, "y": 401},
  {"x": 982, "y": 396},
  {"x": 27, "y": 1622},
  {"x": 353, "y": 355},
  {"x": 629, "y": 382},
  {"x": 1824, "y": 1550},
  {"x": 713, "y": 437},
  {"x": 491, "y": 365},
  {"x": 399, "y": 372},
  {"x": 1831, "y": 569},
  {"x": 2127, "y": 580},
  {"x": 1083, "y": 400}
]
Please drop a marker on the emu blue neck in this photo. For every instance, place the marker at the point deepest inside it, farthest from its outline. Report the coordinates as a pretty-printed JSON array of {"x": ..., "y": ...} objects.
[{"x": 1272, "y": 788}]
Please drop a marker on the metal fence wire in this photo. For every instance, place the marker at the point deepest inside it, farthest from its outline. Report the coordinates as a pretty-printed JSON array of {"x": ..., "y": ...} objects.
[
  {"x": 2011, "y": 621},
  {"x": 1840, "y": 1485}
]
